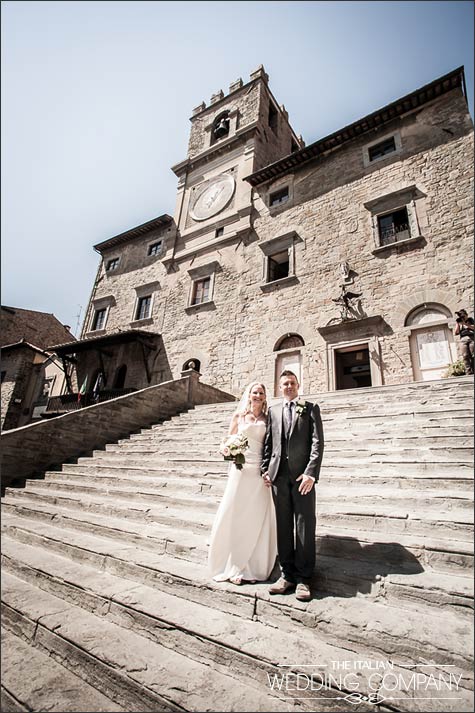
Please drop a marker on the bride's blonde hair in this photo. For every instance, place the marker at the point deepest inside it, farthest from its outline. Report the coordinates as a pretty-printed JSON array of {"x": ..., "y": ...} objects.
[{"x": 245, "y": 403}]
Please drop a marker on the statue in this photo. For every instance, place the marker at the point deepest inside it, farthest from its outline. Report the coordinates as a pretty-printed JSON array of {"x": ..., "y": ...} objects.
[
  {"x": 345, "y": 300},
  {"x": 345, "y": 271}
]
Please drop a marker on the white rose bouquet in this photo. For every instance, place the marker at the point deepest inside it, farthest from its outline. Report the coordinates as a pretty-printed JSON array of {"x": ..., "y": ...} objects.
[{"x": 233, "y": 448}]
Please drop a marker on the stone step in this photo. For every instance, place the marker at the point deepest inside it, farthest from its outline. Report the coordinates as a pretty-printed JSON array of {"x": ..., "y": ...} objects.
[
  {"x": 361, "y": 448},
  {"x": 399, "y": 464},
  {"x": 397, "y": 420},
  {"x": 215, "y": 482},
  {"x": 40, "y": 683},
  {"x": 87, "y": 465},
  {"x": 188, "y": 492},
  {"x": 247, "y": 645},
  {"x": 440, "y": 436},
  {"x": 389, "y": 518},
  {"x": 442, "y": 554},
  {"x": 142, "y": 673},
  {"x": 383, "y": 582},
  {"x": 351, "y": 578}
]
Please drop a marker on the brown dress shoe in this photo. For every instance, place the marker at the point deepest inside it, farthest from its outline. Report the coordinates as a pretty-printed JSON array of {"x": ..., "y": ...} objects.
[
  {"x": 302, "y": 593},
  {"x": 281, "y": 586}
]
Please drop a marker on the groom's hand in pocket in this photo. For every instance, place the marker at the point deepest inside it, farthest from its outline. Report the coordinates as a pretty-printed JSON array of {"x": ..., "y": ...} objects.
[{"x": 306, "y": 485}]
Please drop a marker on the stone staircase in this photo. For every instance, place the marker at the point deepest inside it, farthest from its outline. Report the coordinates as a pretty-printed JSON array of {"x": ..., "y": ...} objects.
[{"x": 107, "y": 604}]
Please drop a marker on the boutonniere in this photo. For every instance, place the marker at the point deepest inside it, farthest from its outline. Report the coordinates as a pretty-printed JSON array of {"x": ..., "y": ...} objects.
[{"x": 301, "y": 407}]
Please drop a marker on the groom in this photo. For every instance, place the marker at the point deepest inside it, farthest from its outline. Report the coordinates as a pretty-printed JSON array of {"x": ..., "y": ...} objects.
[{"x": 293, "y": 450}]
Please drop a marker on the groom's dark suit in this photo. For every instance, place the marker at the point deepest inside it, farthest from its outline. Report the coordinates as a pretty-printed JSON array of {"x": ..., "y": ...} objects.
[{"x": 285, "y": 458}]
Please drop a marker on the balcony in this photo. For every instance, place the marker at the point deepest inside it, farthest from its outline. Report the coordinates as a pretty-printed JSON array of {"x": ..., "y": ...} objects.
[{"x": 58, "y": 405}]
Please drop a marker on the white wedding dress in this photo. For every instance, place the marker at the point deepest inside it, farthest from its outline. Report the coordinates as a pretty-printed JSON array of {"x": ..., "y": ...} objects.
[{"x": 243, "y": 538}]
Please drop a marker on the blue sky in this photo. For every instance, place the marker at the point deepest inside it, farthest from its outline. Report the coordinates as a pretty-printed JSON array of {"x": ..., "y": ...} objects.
[{"x": 96, "y": 100}]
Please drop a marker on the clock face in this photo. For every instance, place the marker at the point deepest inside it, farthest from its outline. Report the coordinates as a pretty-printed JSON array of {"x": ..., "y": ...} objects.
[{"x": 215, "y": 196}]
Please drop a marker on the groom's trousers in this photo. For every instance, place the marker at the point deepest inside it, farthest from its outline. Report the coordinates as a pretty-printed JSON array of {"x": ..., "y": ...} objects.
[{"x": 296, "y": 522}]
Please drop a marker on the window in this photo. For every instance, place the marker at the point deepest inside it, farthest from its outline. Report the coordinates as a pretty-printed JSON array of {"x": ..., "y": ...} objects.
[
  {"x": 279, "y": 197},
  {"x": 155, "y": 248},
  {"x": 144, "y": 305},
  {"x": 202, "y": 286},
  {"x": 279, "y": 261},
  {"x": 273, "y": 117},
  {"x": 393, "y": 227},
  {"x": 382, "y": 149},
  {"x": 278, "y": 266},
  {"x": 99, "y": 319},
  {"x": 112, "y": 264},
  {"x": 201, "y": 291},
  {"x": 219, "y": 232}
]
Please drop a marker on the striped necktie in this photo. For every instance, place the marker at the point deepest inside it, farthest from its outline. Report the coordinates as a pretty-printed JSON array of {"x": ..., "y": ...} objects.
[{"x": 288, "y": 417}]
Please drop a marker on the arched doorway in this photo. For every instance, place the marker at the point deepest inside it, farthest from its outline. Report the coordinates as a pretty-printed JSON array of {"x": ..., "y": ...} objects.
[
  {"x": 289, "y": 356},
  {"x": 431, "y": 341}
]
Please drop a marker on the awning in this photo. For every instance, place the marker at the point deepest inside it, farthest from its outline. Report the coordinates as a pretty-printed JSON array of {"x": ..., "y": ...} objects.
[{"x": 106, "y": 340}]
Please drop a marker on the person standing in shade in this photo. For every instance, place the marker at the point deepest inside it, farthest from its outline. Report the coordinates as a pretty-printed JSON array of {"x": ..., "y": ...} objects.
[
  {"x": 293, "y": 451},
  {"x": 464, "y": 328}
]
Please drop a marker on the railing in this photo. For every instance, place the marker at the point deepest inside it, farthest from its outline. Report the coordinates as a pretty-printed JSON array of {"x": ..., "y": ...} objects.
[
  {"x": 394, "y": 234},
  {"x": 70, "y": 402}
]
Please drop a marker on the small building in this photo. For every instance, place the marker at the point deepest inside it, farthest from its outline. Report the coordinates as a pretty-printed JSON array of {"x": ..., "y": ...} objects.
[
  {"x": 343, "y": 260},
  {"x": 30, "y": 372}
]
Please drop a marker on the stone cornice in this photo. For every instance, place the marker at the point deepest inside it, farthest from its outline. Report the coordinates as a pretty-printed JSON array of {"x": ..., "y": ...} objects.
[{"x": 377, "y": 119}]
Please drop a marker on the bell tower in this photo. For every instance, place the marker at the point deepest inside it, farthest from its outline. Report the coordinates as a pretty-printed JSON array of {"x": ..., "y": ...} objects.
[{"x": 235, "y": 135}]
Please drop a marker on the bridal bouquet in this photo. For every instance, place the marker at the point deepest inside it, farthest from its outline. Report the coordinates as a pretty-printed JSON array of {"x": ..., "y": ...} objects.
[{"x": 233, "y": 449}]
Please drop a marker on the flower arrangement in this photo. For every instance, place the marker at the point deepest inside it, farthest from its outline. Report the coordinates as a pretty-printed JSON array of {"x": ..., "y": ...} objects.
[
  {"x": 301, "y": 407},
  {"x": 233, "y": 449}
]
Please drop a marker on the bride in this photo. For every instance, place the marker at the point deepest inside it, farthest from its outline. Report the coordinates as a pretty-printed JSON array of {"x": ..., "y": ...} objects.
[{"x": 243, "y": 544}]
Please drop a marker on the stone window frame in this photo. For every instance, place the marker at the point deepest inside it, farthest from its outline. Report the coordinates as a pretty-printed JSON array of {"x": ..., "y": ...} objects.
[
  {"x": 102, "y": 303},
  {"x": 286, "y": 182},
  {"x": 368, "y": 161},
  {"x": 275, "y": 246},
  {"x": 153, "y": 244},
  {"x": 197, "y": 274},
  {"x": 141, "y": 292},
  {"x": 390, "y": 203}
]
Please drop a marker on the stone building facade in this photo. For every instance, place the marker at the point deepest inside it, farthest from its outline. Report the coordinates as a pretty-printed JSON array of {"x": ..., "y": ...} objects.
[
  {"x": 30, "y": 373},
  {"x": 343, "y": 260}
]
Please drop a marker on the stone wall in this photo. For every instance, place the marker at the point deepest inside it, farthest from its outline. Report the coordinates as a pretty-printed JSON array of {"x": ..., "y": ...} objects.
[
  {"x": 39, "y": 446},
  {"x": 18, "y": 364}
]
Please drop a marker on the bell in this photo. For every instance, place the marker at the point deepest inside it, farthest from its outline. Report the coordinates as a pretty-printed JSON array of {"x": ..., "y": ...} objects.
[{"x": 221, "y": 129}]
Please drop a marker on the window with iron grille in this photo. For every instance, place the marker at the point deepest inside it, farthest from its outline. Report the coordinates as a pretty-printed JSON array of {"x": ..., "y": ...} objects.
[
  {"x": 112, "y": 264},
  {"x": 382, "y": 149},
  {"x": 99, "y": 320},
  {"x": 201, "y": 289},
  {"x": 144, "y": 305},
  {"x": 393, "y": 227}
]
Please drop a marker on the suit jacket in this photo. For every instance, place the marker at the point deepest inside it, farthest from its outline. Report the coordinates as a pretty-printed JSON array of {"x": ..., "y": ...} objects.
[{"x": 305, "y": 444}]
